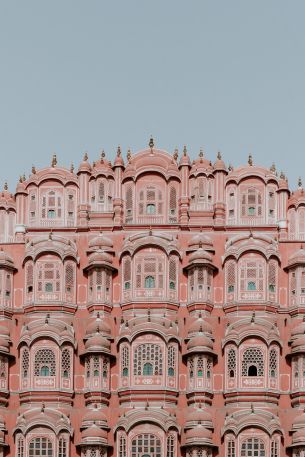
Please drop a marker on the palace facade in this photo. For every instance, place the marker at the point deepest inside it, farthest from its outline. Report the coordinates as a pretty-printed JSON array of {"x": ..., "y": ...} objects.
[{"x": 152, "y": 307}]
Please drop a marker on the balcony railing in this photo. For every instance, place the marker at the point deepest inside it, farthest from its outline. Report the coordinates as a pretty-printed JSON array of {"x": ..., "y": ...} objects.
[
  {"x": 149, "y": 294},
  {"x": 252, "y": 221}
]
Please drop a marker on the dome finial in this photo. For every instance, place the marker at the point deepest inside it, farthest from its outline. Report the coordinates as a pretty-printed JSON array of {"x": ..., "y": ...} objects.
[
  {"x": 85, "y": 158},
  {"x": 129, "y": 155},
  {"x": 5, "y": 187},
  {"x": 300, "y": 184},
  {"x": 230, "y": 167},
  {"x": 33, "y": 170},
  {"x": 272, "y": 168},
  {"x": 201, "y": 153},
  {"x": 71, "y": 168},
  {"x": 184, "y": 150},
  {"x": 103, "y": 155},
  {"x": 151, "y": 143},
  {"x": 119, "y": 152},
  {"x": 282, "y": 176},
  {"x": 54, "y": 161},
  {"x": 176, "y": 153},
  {"x": 219, "y": 155},
  {"x": 250, "y": 160}
]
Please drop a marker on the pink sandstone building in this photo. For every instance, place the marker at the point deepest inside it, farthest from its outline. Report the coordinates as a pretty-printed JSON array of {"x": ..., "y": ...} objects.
[{"x": 152, "y": 307}]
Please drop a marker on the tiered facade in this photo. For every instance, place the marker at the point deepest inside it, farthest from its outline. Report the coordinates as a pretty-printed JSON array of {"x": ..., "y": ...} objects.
[{"x": 153, "y": 307}]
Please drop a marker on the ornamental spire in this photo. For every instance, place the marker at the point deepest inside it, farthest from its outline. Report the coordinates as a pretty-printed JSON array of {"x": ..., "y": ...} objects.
[
  {"x": 85, "y": 158},
  {"x": 5, "y": 187},
  {"x": 54, "y": 161},
  {"x": 151, "y": 143},
  {"x": 184, "y": 150},
  {"x": 300, "y": 184},
  {"x": 250, "y": 160},
  {"x": 219, "y": 155},
  {"x": 119, "y": 152}
]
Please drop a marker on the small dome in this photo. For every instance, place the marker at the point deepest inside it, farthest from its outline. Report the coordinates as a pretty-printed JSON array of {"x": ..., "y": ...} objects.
[
  {"x": 297, "y": 257},
  {"x": 84, "y": 165},
  {"x": 198, "y": 415},
  {"x": 95, "y": 415},
  {"x": 97, "y": 325},
  {"x": 298, "y": 330},
  {"x": 200, "y": 326},
  {"x": 4, "y": 331},
  {"x": 200, "y": 255},
  {"x": 201, "y": 240},
  {"x": 99, "y": 257},
  {"x": 94, "y": 432},
  {"x": 97, "y": 342},
  {"x": 299, "y": 422},
  {"x": 298, "y": 342},
  {"x": 100, "y": 242},
  {"x": 200, "y": 341},
  {"x": 219, "y": 164},
  {"x": 5, "y": 258},
  {"x": 198, "y": 432}
]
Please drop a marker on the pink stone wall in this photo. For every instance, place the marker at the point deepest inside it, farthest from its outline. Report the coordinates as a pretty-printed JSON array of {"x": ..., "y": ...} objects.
[{"x": 152, "y": 307}]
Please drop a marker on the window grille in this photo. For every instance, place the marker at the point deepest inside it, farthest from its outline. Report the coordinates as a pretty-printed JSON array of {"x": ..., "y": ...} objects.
[
  {"x": 253, "y": 357},
  {"x": 231, "y": 363},
  {"x": 146, "y": 444},
  {"x": 65, "y": 363},
  {"x": 274, "y": 448},
  {"x": 231, "y": 448},
  {"x": 25, "y": 363},
  {"x": 170, "y": 446},
  {"x": 125, "y": 360},
  {"x": 20, "y": 446},
  {"x": 48, "y": 276},
  {"x": 191, "y": 366},
  {"x": 172, "y": 201},
  {"x": 69, "y": 277},
  {"x": 273, "y": 363},
  {"x": 172, "y": 273},
  {"x": 171, "y": 363},
  {"x": 40, "y": 446},
  {"x": 129, "y": 203},
  {"x": 253, "y": 447},
  {"x": 272, "y": 269},
  {"x": 3, "y": 362},
  {"x": 231, "y": 276},
  {"x": 122, "y": 447},
  {"x": 44, "y": 363},
  {"x": 148, "y": 354},
  {"x": 62, "y": 448}
]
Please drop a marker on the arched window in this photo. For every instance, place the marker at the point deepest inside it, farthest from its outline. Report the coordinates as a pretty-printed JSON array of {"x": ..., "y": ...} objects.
[
  {"x": 146, "y": 445},
  {"x": 147, "y": 369},
  {"x": 253, "y": 447},
  {"x": 274, "y": 448},
  {"x": 65, "y": 363},
  {"x": 172, "y": 204},
  {"x": 51, "y": 207},
  {"x": 127, "y": 273},
  {"x": 40, "y": 446},
  {"x": 148, "y": 359},
  {"x": 171, "y": 446},
  {"x": 253, "y": 362},
  {"x": 252, "y": 278},
  {"x": 129, "y": 204},
  {"x": 230, "y": 278},
  {"x": 62, "y": 447},
  {"x": 150, "y": 282},
  {"x": 150, "y": 201},
  {"x": 44, "y": 364},
  {"x": 273, "y": 363},
  {"x": 231, "y": 363},
  {"x": 20, "y": 446},
  {"x": 231, "y": 448},
  {"x": 125, "y": 361},
  {"x": 49, "y": 280},
  {"x": 122, "y": 446},
  {"x": 69, "y": 281},
  {"x": 25, "y": 363},
  {"x": 251, "y": 203},
  {"x": 171, "y": 361}
]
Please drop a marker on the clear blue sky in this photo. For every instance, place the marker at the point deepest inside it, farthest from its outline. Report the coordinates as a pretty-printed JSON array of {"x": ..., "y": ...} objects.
[{"x": 80, "y": 75}]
